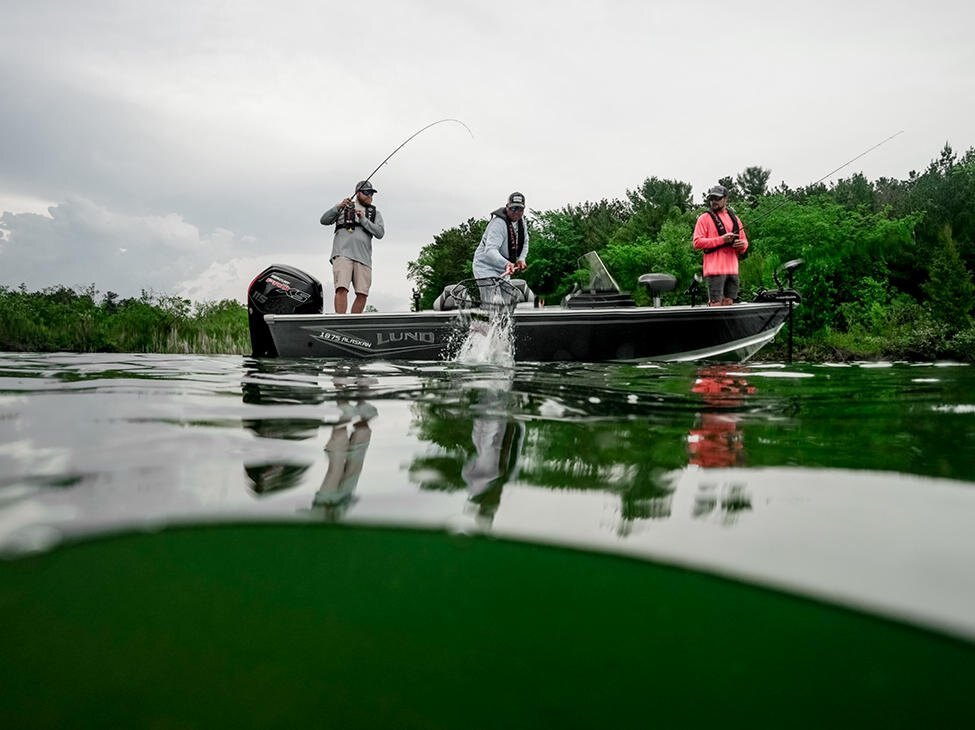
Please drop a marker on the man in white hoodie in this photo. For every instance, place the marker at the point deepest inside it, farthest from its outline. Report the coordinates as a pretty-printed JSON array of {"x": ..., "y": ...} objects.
[{"x": 504, "y": 245}]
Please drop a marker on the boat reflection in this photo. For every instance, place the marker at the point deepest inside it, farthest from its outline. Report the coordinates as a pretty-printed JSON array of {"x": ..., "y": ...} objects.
[
  {"x": 347, "y": 443},
  {"x": 481, "y": 431}
]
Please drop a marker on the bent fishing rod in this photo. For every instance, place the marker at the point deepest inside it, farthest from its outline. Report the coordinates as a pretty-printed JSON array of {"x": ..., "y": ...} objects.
[{"x": 407, "y": 141}]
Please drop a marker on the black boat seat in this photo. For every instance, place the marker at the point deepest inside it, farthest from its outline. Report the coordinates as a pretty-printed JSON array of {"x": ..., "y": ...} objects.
[{"x": 657, "y": 284}]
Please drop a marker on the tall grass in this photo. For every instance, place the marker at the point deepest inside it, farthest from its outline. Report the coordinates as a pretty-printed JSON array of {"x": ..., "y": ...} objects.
[{"x": 60, "y": 319}]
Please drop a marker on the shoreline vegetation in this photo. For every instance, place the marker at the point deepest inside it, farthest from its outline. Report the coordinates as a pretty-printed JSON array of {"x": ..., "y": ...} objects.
[{"x": 887, "y": 271}]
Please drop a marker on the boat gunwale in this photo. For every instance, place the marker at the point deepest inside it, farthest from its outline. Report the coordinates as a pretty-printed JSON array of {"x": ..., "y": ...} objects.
[{"x": 534, "y": 313}]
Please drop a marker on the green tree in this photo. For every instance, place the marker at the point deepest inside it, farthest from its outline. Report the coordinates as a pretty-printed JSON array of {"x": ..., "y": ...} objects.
[
  {"x": 944, "y": 193},
  {"x": 654, "y": 202},
  {"x": 855, "y": 192},
  {"x": 950, "y": 289},
  {"x": 560, "y": 237},
  {"x": 445, "y": 261},
  {"x": 753, "y": 184}
]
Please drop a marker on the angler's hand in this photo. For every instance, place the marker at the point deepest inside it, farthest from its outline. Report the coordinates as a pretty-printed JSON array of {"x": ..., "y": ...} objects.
[
  {"x": 343, "y": 203},
  {"x": 358, "y": 213},
  {"x": 730, "y": 237},
  {"x": 509, "y": 269},
  {"x": 520, "y": 265}
]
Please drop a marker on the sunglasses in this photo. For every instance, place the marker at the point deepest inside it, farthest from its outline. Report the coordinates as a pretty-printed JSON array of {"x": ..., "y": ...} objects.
[
  {"x": 369, "y": 193},
  {"x": 516, "y": 208}
]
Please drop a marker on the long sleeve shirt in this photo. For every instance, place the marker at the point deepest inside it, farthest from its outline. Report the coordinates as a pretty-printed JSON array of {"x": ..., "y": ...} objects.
[
  {"x": 357, "y": 243},
  {"x": 718, "y": 260},
  {"x": 490, "y": 256}
]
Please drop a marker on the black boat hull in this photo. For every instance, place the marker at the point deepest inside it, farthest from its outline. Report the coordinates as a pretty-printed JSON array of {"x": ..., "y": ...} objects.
[{"x": 540, "y": 335}]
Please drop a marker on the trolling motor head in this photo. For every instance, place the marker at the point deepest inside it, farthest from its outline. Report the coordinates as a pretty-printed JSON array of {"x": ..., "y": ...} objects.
[
  {"x": 785, "y": 294},
  {"x": 790, "y": 268}
]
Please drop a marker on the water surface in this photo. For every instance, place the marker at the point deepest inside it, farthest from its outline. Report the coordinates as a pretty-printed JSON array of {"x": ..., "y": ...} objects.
[{"x": 849, "y": 483}]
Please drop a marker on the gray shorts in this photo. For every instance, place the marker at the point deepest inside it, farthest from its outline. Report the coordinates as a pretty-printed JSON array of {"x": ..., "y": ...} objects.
[
  {"x": 723, "y": 286},
  {"x": 347, "y": 273}
]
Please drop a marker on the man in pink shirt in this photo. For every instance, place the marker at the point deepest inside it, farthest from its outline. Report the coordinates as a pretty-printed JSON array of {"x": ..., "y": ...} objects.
[{"x": 720, "y": 235}]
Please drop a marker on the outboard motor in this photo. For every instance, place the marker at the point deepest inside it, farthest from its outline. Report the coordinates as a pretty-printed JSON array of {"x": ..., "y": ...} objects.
[{"x": 279, "y": 289}]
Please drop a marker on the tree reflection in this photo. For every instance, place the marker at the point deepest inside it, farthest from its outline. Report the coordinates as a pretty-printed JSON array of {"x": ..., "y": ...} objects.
[
  {"x": 629, "y": 433},
  {"x": 486, "y": 434}
]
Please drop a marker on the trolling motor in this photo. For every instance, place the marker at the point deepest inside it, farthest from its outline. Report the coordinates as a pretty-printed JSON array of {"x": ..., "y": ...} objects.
[{"x": 786, "y": 295}]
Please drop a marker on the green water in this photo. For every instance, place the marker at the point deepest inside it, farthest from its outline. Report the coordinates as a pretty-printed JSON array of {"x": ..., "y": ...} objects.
[
  {"x": 279, "y": 626},
  {"x": 219, "y": 542}
]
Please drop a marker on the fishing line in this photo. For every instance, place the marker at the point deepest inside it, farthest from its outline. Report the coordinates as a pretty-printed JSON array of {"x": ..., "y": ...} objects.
[
  {"x": 856, "y": 158},
  {"x": 785, "y": 198},
  {"x": 828, "y": 174}
]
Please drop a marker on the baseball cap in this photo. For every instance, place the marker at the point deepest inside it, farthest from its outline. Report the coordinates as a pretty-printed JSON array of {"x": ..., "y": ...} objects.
[
  {"x": 516, "y": 200},
  {"x": 365, "y": 186},
  {"x": 718, "y": 191}
]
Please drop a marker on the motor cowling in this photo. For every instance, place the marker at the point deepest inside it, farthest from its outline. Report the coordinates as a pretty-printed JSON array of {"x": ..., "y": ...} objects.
[{"x": 279, "y": 289}]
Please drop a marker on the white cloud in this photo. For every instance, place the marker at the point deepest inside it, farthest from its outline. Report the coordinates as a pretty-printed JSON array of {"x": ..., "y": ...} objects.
[{"x": 79, "y": 243}]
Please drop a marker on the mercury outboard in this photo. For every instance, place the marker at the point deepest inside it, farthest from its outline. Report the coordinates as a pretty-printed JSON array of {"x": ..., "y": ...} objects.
[{"x": 279, "y": 289}]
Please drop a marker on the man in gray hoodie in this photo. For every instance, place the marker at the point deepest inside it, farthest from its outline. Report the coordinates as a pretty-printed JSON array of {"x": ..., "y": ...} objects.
[
  {"x": 357, "y": 222},
  {"x": 504, "y": 245}
]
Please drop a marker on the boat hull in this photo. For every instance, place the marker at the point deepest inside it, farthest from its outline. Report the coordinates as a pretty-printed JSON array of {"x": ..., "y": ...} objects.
[{"x": 540, "y": 335}]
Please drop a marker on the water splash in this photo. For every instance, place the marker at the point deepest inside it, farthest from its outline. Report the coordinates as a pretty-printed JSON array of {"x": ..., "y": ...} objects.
[{"x": 490, "y": 338}]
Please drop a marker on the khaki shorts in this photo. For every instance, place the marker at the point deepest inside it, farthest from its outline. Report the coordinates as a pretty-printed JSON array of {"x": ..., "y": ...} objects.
[{"x": 346, "y": 272}]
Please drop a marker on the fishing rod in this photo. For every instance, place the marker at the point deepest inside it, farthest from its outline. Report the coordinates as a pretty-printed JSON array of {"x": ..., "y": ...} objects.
[
  {"x": 833, "y": 172},
  {"x": 408, "y": 139},
  {"x": 765, "y": 214}
]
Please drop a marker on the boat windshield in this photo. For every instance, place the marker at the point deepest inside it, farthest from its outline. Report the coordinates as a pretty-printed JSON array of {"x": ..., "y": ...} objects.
[{"x": 599, "y": 276}]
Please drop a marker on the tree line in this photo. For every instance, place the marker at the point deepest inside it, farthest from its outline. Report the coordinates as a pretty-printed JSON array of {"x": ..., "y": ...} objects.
[
  {"x": 887, "y": 263},
  {"x": 887, "y": 268},
  {"x": 60, "y": 319}
]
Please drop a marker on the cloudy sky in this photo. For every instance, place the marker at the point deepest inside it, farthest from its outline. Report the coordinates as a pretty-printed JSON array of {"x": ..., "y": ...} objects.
[{"x": 183, "y": 146}]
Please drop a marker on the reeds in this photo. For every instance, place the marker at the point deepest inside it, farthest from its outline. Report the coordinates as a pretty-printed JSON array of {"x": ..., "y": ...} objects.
[{"x": 60, "y": 319}]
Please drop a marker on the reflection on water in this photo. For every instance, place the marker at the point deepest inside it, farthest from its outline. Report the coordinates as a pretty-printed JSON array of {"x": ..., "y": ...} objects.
[
  {"x": 777, "y": 474},
  {"x": 717, "y": 441},
  {"x": 346, "y": 448},
  {"x": 497, "y": 441}
]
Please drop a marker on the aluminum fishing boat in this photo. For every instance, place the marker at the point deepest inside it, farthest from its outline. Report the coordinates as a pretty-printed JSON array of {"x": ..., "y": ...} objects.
[{"x": 599, "y": 323}]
